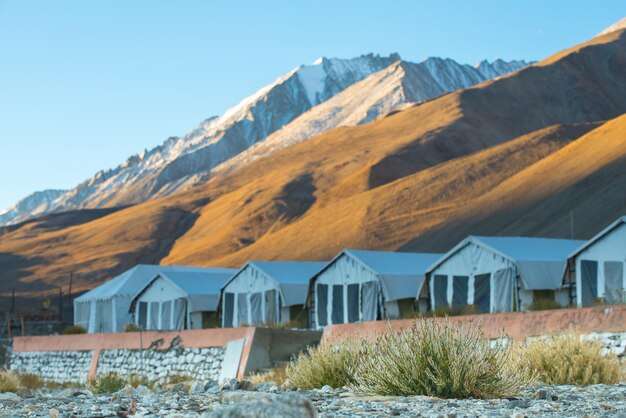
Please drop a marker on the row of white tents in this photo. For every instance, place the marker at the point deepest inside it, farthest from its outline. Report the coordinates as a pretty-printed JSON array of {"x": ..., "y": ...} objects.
[{"x": 490, "y": 274}]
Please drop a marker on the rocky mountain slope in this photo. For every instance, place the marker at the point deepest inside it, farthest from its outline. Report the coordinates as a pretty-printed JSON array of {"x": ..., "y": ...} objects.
[
  {"x": 511, "y": 156},
  {"x": 180, "y": 163}
]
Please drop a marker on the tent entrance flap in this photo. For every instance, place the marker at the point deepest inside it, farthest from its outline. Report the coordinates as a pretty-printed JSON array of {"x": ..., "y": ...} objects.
[
  {"x": 482, "y": 292},
  {"x": 460, "y": 288},
  {"x": 440, "y": 289},
  {"x": 229, "y": 309},
  {"x": 337, "y": 304},
  {"x": 613, "y": 279},
  {"x": 589, "y": 281},
  {"x": 504, "y": 290},
  {"x": 354, "y": 291}
]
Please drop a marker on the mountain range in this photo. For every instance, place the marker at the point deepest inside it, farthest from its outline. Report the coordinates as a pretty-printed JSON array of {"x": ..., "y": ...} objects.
[
  {"x": 293, "y": 108},
  {"x": 520, "y": 154}
]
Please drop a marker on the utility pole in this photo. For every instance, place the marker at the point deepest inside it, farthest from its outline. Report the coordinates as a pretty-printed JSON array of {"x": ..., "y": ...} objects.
[
  {"x": 60, "y": 304},
  {"x": 70, "y": 289}
]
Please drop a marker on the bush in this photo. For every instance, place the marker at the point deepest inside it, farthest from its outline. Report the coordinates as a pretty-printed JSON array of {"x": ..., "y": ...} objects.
[
  {"x": 276, "y": 375},
  {"x": 544, "y": 305},
  {"x": 107, "y": 383},
  {"x": 563, "y": 359},
  {"x": 325, "y": 364},
  {"x": 30, "y": 381},
  {"x": 437, "y": 358},
  {"x": 130, "y": 327},
  {"x": 74, "y": 329},
  {"x": 9, "y": 381}
]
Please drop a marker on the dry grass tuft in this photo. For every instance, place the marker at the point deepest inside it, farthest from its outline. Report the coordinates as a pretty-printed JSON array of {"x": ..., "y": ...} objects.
[
  {"x": 74, "y": 329},
  {"x": 544, "y": 305},
  {"x": 130, "y": 327},
  {"x": 436, "y": 358},
  {"x": 325, "y": 364},
  {"x": 276, "y": 375},
  {"x": 9, "y": 381},
  {"x": 565, "y": 359},
  {"x": 30, "y": 381}
]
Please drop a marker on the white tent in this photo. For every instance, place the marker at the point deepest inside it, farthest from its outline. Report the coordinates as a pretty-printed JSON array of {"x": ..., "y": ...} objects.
[
  {"x": 266, "y": 291},
  {"x": 359, "y": 285},
  {"x": 597, "y": 267},
  {"x": 105, "y": 308},
  {"x": 176, "y": 300},
  {"x": 500, "y": 274}
]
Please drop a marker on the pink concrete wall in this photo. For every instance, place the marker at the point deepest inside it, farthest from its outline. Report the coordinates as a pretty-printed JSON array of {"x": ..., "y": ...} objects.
[
  {"x": 215, "y": 337},
  {"x": 516, "y": 325}
]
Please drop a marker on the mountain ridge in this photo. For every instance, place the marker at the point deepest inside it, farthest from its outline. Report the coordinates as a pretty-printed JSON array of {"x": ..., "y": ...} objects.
[{"x": 182, "y": 162}]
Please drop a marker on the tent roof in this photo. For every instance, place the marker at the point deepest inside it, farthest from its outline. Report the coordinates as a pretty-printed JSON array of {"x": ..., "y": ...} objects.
[
  {"x": 518, "y": 248},
  {"x": 540, "y": 262},
  {"x": 401, "y": 274},
  {"x": 289, "y": 272},
  {"x": 394, "y": 263},
  {"x": 619, "y": 221},
  {"x": 202, "y": 288},
  {"x": 292, "y": 277},
  {"x": 531, "y": 249},
  {"x": 197, "y": 283},
  {"x": 134, "y": 280}
]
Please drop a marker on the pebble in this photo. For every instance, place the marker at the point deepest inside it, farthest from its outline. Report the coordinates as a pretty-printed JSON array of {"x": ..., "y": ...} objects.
[{"x": 544, "y": 401}]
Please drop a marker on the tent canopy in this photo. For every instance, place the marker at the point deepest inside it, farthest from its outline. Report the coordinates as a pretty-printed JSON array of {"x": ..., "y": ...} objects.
[
  {"x": 292, "y": 277},
  {"x": 132, "y": 281},
  {"x": 401, "y": 274},
  {"x": 541, "y": 262},
  {"x": 201, "y": 288}
]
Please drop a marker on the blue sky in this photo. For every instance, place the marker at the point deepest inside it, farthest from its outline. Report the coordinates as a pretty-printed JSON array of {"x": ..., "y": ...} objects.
[{"x": 85, "y": 84}]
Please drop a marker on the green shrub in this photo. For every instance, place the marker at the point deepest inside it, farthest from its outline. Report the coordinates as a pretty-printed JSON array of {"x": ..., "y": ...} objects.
[
  {"x": 325, "y": 364},
  {"x": 9, "y": 381},
  {"x": 130, "y": 327},
  {"x": 30, "y": 381},
  {"x": 107, "y": 383},
  {"x": 437, "y": 358},
  {"x": 74, "y": 329},
  {"x": 544, "y": 305},
  {"x": 565, "y": 359}
]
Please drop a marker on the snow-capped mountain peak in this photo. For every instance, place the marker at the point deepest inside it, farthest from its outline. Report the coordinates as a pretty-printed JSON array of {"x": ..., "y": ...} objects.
[
  {"x": 306, "y": 101},
  {"x": 619, "y": 25}
]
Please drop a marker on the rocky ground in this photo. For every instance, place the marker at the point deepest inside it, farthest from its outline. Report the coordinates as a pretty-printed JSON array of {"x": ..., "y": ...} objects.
[{"x": 267, "y": 400}]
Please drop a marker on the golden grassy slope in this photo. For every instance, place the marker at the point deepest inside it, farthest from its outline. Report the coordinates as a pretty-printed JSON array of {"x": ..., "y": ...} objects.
[{"x": 420, "y": 178}]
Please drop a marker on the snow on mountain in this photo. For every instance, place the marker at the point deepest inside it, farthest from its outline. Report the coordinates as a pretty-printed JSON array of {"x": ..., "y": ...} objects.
[
  {"x": 616, "y": 26},
  {"x": 399, "y": 85},
  {"x": 293, "y": 108},
  {"x": 38, "y": 202}
]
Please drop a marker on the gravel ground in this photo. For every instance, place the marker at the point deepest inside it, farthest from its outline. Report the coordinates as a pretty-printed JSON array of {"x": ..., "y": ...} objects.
[{"x": 267, "y": 400}]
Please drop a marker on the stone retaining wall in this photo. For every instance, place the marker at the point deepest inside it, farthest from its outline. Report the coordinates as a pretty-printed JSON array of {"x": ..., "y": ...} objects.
[
  {"x": 203, "y": 364},
  {"x": 54, "y": 366}
]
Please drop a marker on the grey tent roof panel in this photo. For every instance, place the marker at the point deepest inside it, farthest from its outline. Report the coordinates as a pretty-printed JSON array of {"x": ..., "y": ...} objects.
[
  {"x": 199, "y": 283},
  {"x": 619, "y": 221},
  {"x": 134, "y": 280},
  {"x": 289, "y": 272},
  {"x": 394, "y": 263},
  {"x": 531, "y": 249},
  {"x": 201, "y": 286},
  {"x": 518, "y": 248}
]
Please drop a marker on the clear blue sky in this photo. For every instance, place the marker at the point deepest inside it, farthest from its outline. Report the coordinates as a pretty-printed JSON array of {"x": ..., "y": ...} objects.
[{"x": 85, "y": 84}]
